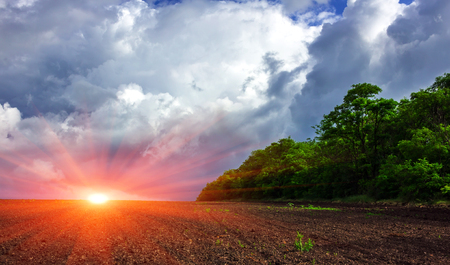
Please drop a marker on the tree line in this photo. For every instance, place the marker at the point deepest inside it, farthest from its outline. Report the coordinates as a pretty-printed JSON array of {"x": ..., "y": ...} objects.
[{"x": 368, "y": 145}]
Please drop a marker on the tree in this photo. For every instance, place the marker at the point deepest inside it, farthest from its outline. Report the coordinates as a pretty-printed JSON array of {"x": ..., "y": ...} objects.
[{"x": 359, "y": 126}]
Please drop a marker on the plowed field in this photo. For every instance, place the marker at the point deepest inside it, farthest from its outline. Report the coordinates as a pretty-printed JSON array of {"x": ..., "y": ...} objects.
[{"x": 137, "y": 232}]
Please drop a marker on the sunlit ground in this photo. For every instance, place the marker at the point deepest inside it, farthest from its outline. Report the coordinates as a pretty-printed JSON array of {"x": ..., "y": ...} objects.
[{"x": 98, "y": 198}]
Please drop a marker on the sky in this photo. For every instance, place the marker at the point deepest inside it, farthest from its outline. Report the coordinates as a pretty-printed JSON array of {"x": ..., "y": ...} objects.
[{"x": 152, "y": 100}]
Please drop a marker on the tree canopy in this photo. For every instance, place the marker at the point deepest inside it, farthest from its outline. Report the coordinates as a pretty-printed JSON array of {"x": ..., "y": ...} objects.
[{"x": 368, "y": 145}]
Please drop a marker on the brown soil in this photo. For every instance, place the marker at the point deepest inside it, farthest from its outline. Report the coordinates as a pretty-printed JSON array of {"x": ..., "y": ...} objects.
[{"x": 131, "y": 232}]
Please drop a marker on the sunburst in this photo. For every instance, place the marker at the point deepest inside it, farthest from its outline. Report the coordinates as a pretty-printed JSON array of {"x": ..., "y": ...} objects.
[{"x": 98, "y": 198}]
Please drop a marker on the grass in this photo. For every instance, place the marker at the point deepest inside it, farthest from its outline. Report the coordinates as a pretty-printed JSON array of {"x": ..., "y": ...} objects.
[
  {"x": 372, "y": 214},
  {"x": 291, "y": 207},
  {"x": 318, "y": 208},
  {"x": 442, "y": 202}
]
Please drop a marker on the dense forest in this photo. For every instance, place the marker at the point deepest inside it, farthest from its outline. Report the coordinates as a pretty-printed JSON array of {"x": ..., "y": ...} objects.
[{"x": 368, "y": 145}]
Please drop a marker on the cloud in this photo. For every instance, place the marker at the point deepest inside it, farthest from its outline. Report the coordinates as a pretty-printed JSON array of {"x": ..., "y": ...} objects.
[
  {"x": 152, "y": 101},
  {"x": 9, "y": 118},
  {"x": 39, "y": 170},
  {"x": 292, "y": 6}
]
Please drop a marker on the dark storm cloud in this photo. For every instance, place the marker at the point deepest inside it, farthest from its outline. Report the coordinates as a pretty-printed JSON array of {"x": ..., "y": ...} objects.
[
  {"x": 422, "y": 36},
  {"x": 419, "y": 24},
  {"x": 60, "y": 34},
  {"x": 272, "y": 63},
  {"x": 341, "y": 60},
  {"x": 278, "y": 79}
]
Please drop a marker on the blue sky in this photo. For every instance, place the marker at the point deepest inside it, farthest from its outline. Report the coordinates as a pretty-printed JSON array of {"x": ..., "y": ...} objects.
[
  {"x": 337, "y": 5},
  {"x": 152, "y": 101},
  {"x": 406, "y": 1}
]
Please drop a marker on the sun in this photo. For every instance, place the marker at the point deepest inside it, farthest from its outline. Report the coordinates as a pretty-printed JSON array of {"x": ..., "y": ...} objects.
[{"x": 98, "y": 198}]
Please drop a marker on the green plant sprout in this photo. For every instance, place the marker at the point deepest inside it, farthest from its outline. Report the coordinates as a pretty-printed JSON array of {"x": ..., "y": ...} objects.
[
  {"x": 207, "y": 210},
  {"x": 307, "y": 246},
  {"x": 318, "y": 208},
  {"x": 218, "y": 242},
  {"x": 240, "y": 244},
  {"x": 291, "y": 205}
]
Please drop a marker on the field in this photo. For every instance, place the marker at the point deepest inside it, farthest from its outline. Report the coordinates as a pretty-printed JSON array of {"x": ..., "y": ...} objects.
[{"x": 137, "y": 232}]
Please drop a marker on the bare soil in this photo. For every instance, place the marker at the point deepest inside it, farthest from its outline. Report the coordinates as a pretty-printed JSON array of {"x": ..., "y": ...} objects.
[{"x": 138, "y": 232}]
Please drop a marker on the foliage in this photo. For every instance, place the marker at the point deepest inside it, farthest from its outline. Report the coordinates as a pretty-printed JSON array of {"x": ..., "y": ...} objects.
[
  {"x": 307, "y": 246},
  {"x": 415, "y": 180},
  {"x": 366, "y": 147},
  {"x": 318, "y": 208}
]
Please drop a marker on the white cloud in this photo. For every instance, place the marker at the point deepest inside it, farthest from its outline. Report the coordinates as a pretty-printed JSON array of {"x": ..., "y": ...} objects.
[
  {"x": 131, "y": 94},
  {"x": 372, "y": 18},
  {"x": 9, "y": 118}
]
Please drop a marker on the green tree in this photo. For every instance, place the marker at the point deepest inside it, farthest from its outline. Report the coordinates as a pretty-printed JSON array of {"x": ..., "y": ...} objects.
[{"x": 359, "y": 127}]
